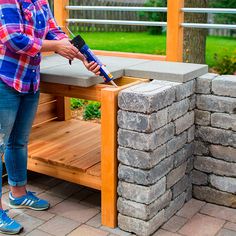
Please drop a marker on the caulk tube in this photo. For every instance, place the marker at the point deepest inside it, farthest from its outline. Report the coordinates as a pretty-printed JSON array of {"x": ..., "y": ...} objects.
[{"x": 79, "y": 43}]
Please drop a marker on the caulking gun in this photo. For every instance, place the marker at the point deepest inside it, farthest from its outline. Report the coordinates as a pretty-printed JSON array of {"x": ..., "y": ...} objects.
[{"x": 80, "y": 44}]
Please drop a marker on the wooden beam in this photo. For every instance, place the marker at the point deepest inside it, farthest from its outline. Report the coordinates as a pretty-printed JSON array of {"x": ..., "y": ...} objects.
[
  {"x": 175, "y": 32},
  {"x": 64, "y": 173},
  {"x": 61, "y": 13},
  {"x": 63, "y": 108},
  {"x": 108, "y": 156}
]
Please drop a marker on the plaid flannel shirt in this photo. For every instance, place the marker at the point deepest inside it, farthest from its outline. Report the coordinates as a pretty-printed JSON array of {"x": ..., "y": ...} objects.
[{"x": 24, "y": 24}]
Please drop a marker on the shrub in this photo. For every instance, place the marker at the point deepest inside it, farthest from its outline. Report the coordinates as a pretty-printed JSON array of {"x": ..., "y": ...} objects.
[
  {"x": 154, "y": 16},
  {"x": 92, "y": 110},
  {"x": 76, "y": 103},
  {"x": 225, "y": 65}
]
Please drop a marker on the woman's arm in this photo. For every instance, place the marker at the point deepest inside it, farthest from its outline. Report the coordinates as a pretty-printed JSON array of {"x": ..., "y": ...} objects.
[
  {"x": 11, "y": 30},
  {"x": 62, "y": 47}
]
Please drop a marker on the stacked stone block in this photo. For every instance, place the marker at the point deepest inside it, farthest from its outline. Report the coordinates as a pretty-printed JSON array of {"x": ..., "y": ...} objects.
[
  {"x": 156, "y": 143},
  {"x": 214, "y": 175}
]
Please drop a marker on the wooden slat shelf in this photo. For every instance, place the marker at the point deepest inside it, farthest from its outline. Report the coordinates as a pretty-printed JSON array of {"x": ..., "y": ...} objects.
[{"x": 72, "y": 144}]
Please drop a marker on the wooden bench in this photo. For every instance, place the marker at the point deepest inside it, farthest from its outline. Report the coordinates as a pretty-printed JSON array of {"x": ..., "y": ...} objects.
[{"x": 77, "y": 151}]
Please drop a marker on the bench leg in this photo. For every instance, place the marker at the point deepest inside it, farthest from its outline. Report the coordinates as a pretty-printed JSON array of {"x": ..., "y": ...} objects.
[{"x": 109, "y": 156}]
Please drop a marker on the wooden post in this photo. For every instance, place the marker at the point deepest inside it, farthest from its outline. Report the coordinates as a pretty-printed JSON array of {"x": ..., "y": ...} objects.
[
  {"x": 61, "y": 13},
  {"x": 109, "y": 156},
  {"x": 175, "y": 32}
]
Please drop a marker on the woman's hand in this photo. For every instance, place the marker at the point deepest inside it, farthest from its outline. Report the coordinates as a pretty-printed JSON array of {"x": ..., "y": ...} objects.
[
  {"x": 91, "y": 66},
  {"x": 66, "y": 49}
]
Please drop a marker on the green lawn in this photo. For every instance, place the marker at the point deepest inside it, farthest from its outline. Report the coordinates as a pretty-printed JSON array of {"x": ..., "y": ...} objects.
[{"x": 152, "y": 44}]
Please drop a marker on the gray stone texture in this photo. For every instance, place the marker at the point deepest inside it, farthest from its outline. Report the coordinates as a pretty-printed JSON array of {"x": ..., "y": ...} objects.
[
  {"x": 191, "y": 134},
  {"x": 223, "y": 153},
  {"x": 140, "y": 227},
  {"x": 145, "y": 142},
  {"x": 204, "y": 83},
  {"x": 189, "y": 167},
  {"x": 224, "y": 85},
  {"x": 175, "y": 205},
  {"x": 185, "y": 90},
  {"x": 181, "y": 186},
  {"x": 216, "y": 103},
  {"x": 145, "y": 177},
  {"x": 202, "y": 117},
  {"x": 142, "y": 122},
  {"x": 192, "y": 100},
  {"x": 176, "y": 143},
  {"x": 184, "y": 122},
  {"x": 183, "y": 154},
  {"x": 147, "y": 97},
  {"x": 142, "y": 194},
  {"x": 216, "y": 136},
  {"x": 224, "y": 121},
  {"x": 208, "y": 194},
  {"x": 175, "y": 175},
  {"x": 225, "y": 184},
  {"x": 201, "y": 148},
  {"x": 143, "y": 211},
  {"x": 215, "y": 166},
  {"x": 140, "y": 159},
  {"x": 178, "y": 109},
  {"x": 170, "y": 71},
  {"x": 199, "y": 178}
]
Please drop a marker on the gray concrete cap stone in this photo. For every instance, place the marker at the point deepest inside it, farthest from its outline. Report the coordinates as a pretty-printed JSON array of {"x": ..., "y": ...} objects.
[
  {"x": 169, "y": 71},
  {"x": 56, "y": 69}
]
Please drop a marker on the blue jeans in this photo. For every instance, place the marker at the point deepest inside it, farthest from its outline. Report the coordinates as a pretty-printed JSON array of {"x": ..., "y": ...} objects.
[{"x": 17, "y": 112}]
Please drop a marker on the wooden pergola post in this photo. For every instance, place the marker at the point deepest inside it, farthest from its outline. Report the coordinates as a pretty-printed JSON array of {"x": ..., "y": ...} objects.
[
  {"x": 175, "y": 32},
  {"x": 61, "y": 14}
]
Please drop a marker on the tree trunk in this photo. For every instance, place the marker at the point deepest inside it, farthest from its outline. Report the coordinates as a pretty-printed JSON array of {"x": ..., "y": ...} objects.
[{"x": 195, "y": 39}]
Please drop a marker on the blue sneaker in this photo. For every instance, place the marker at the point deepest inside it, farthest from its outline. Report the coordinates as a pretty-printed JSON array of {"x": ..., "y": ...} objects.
[
  {"x": 8, "y": 225},
  {"x": 28, "y": 201}
]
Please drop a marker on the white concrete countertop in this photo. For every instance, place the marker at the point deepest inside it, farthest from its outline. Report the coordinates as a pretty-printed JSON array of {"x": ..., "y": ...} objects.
[{"x": 56, "y": 69}]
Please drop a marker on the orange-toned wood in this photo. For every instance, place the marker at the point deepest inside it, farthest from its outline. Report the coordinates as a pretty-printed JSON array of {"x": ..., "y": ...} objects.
[
  {"x": 65, "y": 173},
  {"x": 109, "y": 158},
  {"x": 95, "y": 170},
  {"x": 130, "y": 55},
  {"x": 91, "y": 93},
  {"x": 63, "y": 108},
  {"x": 175, "y": 31},
  {"x": 46, "y": 111},
  {"x": 46, "y": 98},
  {"x": 60, "y": 13}
]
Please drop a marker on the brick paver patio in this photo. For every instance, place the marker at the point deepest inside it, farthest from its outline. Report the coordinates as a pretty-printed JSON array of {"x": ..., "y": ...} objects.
[{"x": 75, "y": 211}]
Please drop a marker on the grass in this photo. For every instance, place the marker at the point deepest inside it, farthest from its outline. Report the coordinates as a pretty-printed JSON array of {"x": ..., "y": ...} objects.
[{"x": 153, "y": 44}]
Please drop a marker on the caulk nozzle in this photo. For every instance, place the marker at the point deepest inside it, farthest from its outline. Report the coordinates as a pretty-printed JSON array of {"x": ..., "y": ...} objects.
[{"x": 113, "y": 83}]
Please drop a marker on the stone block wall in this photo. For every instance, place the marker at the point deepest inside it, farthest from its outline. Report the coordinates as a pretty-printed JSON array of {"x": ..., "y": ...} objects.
[
  {"x": 156, "y": 143},
  {"x": 214, "y": 174}
]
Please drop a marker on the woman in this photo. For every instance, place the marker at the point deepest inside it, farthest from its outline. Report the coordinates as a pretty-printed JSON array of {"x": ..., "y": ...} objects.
[{"x": 27, "y": 28}]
